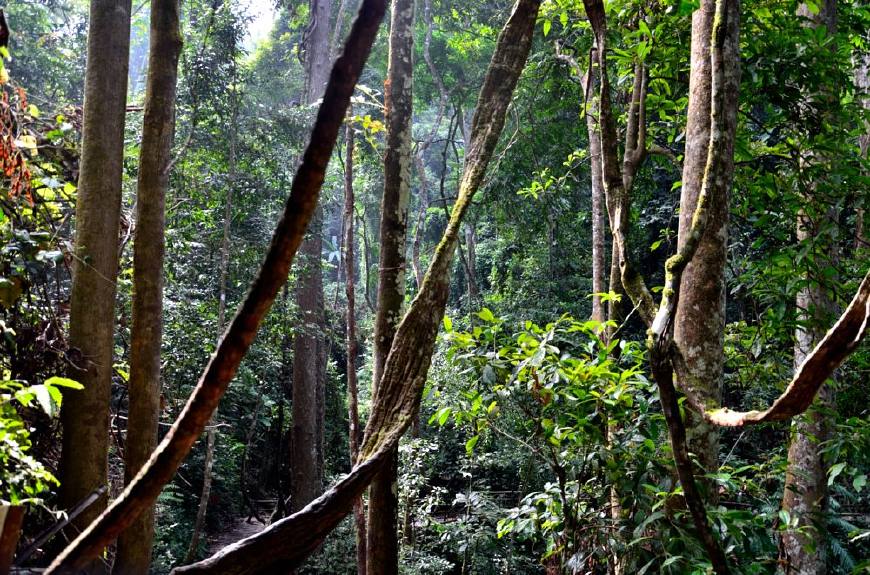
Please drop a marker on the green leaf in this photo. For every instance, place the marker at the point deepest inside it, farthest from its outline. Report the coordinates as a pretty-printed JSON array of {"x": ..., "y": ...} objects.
[
  {"x": 835, "y": 471},
  {"x": 486, "y": 315},
  {"x": 43, "y": 397},
  {"x": 448, "y": 323},
  {"x": 64, "y": 382},
  {"x": 859, "y": 482},
  {"x": 469, "y": 445},
  {"x": 547, "y": 25}
]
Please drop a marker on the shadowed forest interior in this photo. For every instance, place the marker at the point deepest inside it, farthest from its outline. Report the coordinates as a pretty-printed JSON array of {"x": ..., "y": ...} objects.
[{"x": 431, "y": 287}]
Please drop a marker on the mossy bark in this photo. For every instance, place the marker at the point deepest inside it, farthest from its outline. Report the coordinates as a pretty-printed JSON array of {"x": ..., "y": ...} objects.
[{"x": 699, "y": 317}]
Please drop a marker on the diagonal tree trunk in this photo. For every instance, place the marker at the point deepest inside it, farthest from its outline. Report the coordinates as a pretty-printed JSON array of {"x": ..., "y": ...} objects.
[
  {"x": 134, "y": 545},
  {"x": 352, "y": 383},
  {"x": 85, "y": 413},
  {"x": 309, "y": 346},
  {"x": 286, "y": 543},
  {"x": 146, "y": 486},
  {"x": 382, "y": 547}
]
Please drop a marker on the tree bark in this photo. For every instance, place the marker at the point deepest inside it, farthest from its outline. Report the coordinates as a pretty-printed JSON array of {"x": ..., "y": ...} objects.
[
  {"x": 286, "y": 543},
  {"x": 862, "y": 82},
  {"x": 352, "y": 384},
  {"x": 85, "y": 413},
  {"x": 599, "y": 245},
  {"x": 309, "y": 346},
  {"x": 145, "y": 487},
  {"x": 135, "y": 544},
  {"x": 382, "y": 547},
  {"x": 699, "y": 318}
]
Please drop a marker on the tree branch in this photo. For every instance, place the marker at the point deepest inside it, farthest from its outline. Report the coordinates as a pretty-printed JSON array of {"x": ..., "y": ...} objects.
[{"x": 840, "y": 341}]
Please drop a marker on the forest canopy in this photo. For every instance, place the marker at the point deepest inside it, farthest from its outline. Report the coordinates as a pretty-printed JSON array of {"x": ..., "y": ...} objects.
[{"x": 520, "y": 287}]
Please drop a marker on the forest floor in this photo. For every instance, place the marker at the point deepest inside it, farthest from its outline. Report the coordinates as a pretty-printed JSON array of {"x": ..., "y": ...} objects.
[{"x": 239, "y": 529}]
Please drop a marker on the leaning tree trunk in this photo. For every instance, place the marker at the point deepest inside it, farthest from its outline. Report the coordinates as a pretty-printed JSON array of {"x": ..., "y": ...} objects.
[
  {"x": 134, "y": 545},
  {"x": 85, "y": 413},
  {"x": 805, "y": 494},
  {"x": 699, "y": 321},
  {"x": 382, "y": 548},
  {"x": 309, "y": 350},
  {"x": 359, "y": 515}
]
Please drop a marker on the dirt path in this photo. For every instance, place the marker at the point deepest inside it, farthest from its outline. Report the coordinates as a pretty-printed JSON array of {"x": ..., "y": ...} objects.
[{"x": 233, "y": 532}]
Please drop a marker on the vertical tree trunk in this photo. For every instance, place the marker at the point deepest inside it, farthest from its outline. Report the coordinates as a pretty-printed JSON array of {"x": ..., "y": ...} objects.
[
  {"x": 309, "y": 350},
  {"x": 699, "y": 323},
  {"x": 134, "y": 545},
  {"x": 862, "y": 81},
  {"x": 85, "y": 414},
  {"x": 805, "y": 494},
  {"x": 383, "y": 543},
  {"x": 352, "y": 387},
  {"x": 471, "y": 263},
  {"x": 599, "y": 259}
]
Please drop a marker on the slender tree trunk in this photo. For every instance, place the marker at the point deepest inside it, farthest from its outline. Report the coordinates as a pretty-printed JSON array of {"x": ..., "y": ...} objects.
[
  {"x": 85, "y": 413},
  {"x": 699, "y": 322},
  {"x": 599, "y": 244},
  {"x": 805, "y": 495},
  {"x": 383, "y": 543},
  {"x": 862, "y": 81},
  {"x": 309, "y": 348},
  {"x": 134, "y": 545},
  {"x": 471, "y": 262},
  {"x": 352, "y": 384},
  {"x": 420, "y": 226}
]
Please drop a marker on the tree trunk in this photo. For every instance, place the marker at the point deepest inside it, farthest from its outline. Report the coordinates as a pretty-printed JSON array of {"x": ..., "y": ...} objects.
[
  {"x": 599, "y": 244},
  {"x": 85, "y": 413},
  {"x": 382, "y": 547},
  {"x": 285, "y": 544},
  {"x": 805, "y": 495},
  {"x": 862, "y": 81},
  {"x": 134, "y": 545},
  {"x": 309, "y": 348},
  {"x": 352, "y": 384},
  {"x": 699, "y": 321}
]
